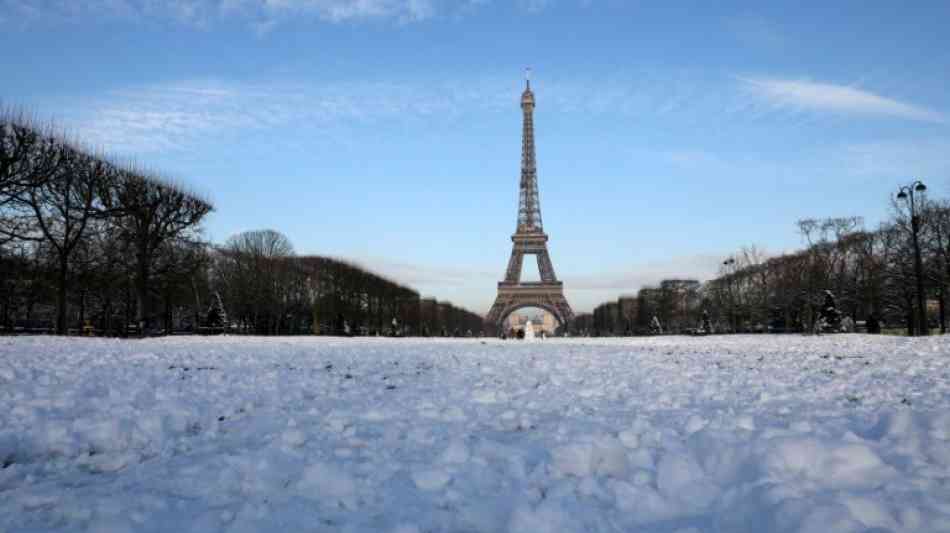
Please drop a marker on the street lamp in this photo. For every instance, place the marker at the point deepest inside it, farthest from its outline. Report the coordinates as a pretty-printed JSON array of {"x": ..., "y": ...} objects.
[
  {"x": 906, "y": 193},
  {"x": 732, "y": 301}
]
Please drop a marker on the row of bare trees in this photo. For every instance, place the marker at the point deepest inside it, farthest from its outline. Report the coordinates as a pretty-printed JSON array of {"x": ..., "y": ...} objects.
[
  {"x": 76, "y": 228},
  {"x": 88, "y": 245},
  {"x": 870, "y": 273},
  {"x": 268, "y": 289}
]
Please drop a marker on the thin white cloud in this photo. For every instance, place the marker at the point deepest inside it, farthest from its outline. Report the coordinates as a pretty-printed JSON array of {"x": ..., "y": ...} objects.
[
  {"x": 415, "y": 275},
  {"x": 586, "y": 292},
  {"x": 475, "y": 289},
  {"x": 533, "y": 6},
  {"x": 175, "y": 116},
  {"x": 700, "y": 267},
  {"x": 260, "y": 14},
  {"x": 345, "y": 10},
  {"x": 182, "y": 115},
  {"x": 191, "y": 12},
  {"x": 466, "y": 287},
  {"x": 836, "y": 98}
]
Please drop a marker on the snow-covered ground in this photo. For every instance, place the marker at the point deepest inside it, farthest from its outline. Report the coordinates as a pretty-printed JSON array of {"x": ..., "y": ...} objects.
[{"x": 727, "y": 434}]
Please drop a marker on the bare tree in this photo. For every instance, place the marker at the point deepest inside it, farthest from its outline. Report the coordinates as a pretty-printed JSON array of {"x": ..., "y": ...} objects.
[
  {"x": 257, "y": 276},
  {"x": 57, "y": 209},
  {"x": 151, "y": 212},
  {"x": 28, "y": 158},
  {"x": 936, "y": 244}
]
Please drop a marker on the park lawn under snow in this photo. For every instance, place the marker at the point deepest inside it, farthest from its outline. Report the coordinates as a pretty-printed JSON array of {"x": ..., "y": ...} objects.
[{"x": 729, "y": 433}]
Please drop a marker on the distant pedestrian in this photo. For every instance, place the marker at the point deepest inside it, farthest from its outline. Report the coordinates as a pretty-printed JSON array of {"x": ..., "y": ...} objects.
[{"x": 705, "y": 326}]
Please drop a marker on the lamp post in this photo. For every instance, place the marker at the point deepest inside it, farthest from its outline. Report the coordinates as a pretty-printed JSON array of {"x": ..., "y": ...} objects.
[
  {"x": 906, "y": 193},
  {"x": 732, "y": 301}
]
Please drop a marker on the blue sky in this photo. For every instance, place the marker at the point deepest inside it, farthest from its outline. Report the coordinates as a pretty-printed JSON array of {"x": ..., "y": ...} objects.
[{"x": 388, "y": 131}]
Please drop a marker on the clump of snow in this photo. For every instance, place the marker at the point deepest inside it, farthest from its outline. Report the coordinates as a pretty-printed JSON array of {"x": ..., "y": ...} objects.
[
  {"x": 603, "y": 456},
  {"x": 328, "y": 483},
  {"x": 541, "y": 519},
  {"x": 695, "y": 423},
  {"x": 294, "y": 437},
  {"x": 836, "y": 433},
  {"x": 456, "y": 452},
  {"x": 431, "y": 479}
]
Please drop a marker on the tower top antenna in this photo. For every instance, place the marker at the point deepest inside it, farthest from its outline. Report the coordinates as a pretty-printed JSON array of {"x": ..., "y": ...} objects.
[{"x": 527, "y": 77}]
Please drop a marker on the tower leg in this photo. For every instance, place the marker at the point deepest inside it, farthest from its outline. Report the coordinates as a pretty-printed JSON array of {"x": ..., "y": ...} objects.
[
  {"x": 545, "y": 267},
  {"x": 514, "y": 266}
]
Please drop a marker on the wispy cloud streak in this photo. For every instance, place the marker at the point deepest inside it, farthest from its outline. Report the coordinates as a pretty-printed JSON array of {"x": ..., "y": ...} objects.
[
  {"x": 701, "y": 267},
  {"x": 176, "y": 116},
  {"x": 836, "y": 98},
  {"x": 262, "y": 16},
  {"x": 205, "y": 12},
  {"x": 163, "y": 117},
  {"x": 337, "y": 10}
]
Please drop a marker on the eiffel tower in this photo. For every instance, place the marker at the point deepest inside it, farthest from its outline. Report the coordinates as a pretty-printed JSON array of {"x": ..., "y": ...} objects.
[{"x": 529, "y": 239}]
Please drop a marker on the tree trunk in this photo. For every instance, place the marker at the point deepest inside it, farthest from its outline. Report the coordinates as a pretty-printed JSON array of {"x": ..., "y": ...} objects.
[
  {"x": 82, "y": 312},
  {"x": 127, "y": 311},
  {"x": 197, "y": 309},
  {"x": 943, "y": 311},
  {"x": 62, "y": 279},
  {"x": 168, "y": 313},
  {"x": 141, "y": 293},
  {"x": 106, "y": 324},
  {"x": 6, "y": 315}
]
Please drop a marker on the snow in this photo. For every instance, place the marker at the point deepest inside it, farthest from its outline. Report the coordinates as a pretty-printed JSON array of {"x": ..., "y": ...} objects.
[
  {"x": 429, "y": 479},
  {"x": 838, "y": 433}
]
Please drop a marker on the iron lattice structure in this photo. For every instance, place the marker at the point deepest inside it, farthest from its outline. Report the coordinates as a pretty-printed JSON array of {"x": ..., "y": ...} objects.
[{"x": 529, "y": 239}]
